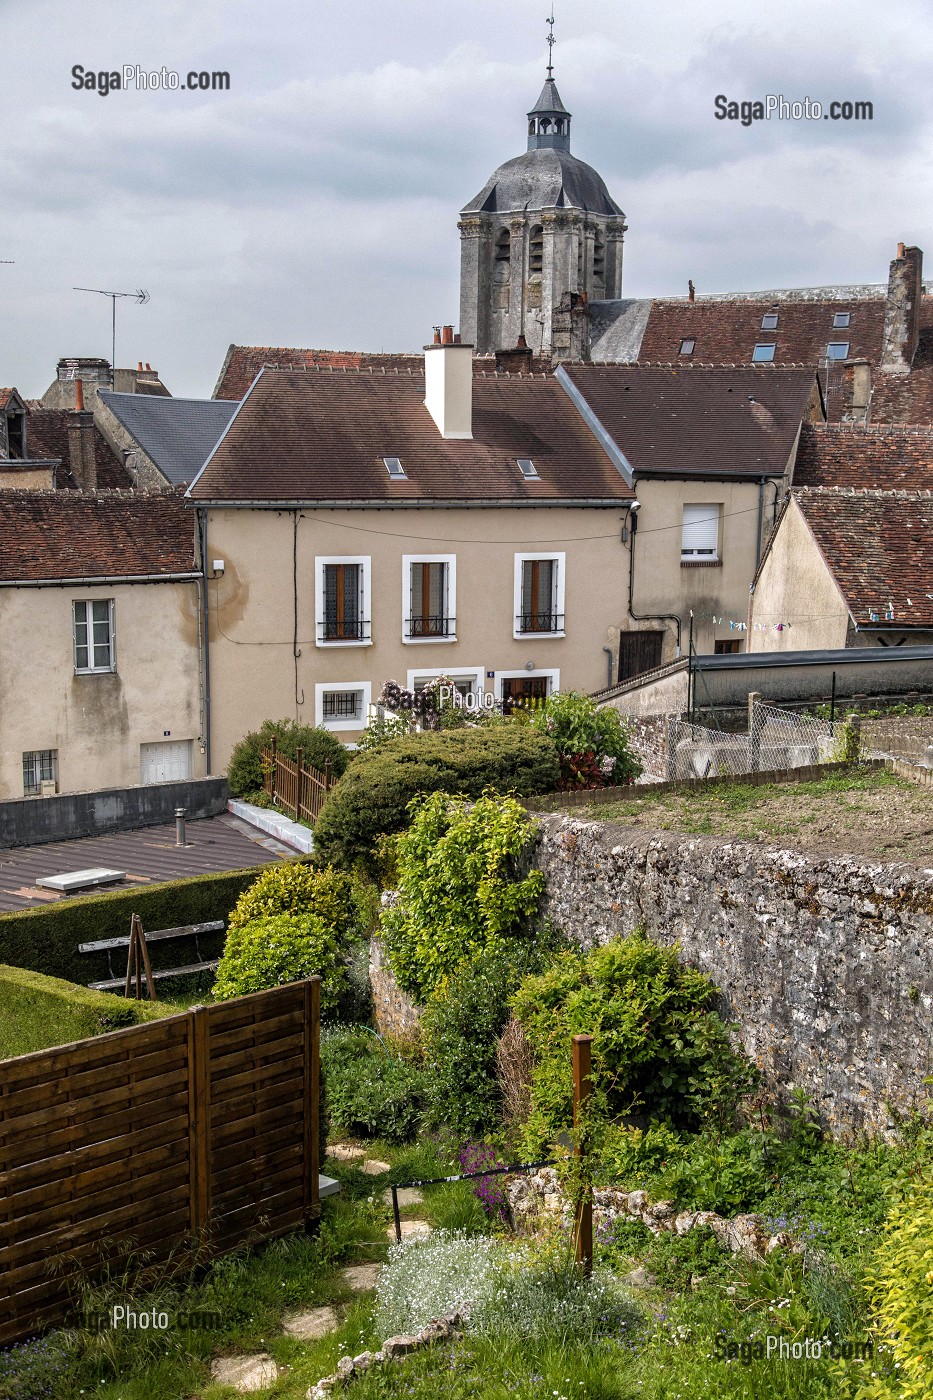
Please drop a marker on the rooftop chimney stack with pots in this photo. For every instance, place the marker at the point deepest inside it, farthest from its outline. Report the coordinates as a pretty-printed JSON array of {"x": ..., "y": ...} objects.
[{"x": 448, "y": 384}]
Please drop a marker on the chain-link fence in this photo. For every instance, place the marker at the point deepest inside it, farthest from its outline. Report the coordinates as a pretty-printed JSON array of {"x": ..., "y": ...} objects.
[{"x": 777, "y": 739}]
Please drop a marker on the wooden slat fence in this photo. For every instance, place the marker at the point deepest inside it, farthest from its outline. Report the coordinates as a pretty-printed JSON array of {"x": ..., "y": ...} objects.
[
  {"x": 196, "y": 1131},
  {"x": 300, "y": 790}
]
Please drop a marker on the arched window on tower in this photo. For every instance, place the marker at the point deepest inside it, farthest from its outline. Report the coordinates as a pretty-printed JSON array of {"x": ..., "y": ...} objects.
[
  {"x": 559, "y": 125},
  {"x": 599, "y": 262},
  {"x": 536, "y": 250},
  {"x": 531, "y": 127},
  {"x": 581, "y": 261},
  {"x": 503, "y": 246}
]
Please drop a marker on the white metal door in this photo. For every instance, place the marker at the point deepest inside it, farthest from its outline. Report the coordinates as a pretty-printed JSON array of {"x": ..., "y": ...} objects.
[{"x": 165, "y": 763}]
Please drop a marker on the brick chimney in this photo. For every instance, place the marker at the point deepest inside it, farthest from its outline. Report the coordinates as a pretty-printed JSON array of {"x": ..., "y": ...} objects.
[
  {"x": 902, "y": 311},
  {"x": 448, "y": 384},
  {"x": 517, "y": 360},
  {"x": 81, "y": 445},
  {"x": 856, "y": 391}
]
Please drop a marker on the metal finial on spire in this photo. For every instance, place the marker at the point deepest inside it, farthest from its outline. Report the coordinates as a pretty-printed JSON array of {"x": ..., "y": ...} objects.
[{"x": 550, "y": 44}]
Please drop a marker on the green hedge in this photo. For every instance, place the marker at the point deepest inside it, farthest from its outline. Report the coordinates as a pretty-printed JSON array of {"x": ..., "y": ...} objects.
[
  {"x": 46, "y": 940},
  {"x": 37, "y": 1012},
  {"x": 372, "y": 797}
]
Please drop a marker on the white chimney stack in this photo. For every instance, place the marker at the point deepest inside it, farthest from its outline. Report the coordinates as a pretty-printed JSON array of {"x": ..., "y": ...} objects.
[{"x": 448, "y": 384}]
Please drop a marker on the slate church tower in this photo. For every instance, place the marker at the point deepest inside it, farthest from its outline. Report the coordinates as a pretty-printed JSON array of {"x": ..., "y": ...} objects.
[{"x": 541, "y": 239}]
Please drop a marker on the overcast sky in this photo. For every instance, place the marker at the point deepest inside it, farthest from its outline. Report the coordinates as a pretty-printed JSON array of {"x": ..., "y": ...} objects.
[{"x": 316, "y": 202}]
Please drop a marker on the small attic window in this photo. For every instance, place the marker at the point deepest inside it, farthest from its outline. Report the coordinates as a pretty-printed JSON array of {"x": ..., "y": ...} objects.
[
  {"x": 528, "y": 469},
  {"x": 837, "y": 350},
  {"x": 769, "y": 321},
  {"x": 841, "y": 320},
  {"x": 395, "y": 469},
  {"x": 762, "y": 354},
  {"x": 687, "y": 347}
]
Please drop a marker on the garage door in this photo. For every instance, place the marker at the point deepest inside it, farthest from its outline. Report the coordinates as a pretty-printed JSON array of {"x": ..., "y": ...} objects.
[{"x": 165, "y": 763}]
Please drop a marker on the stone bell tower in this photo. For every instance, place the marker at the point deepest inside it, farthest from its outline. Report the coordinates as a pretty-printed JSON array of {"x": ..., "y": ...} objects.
[{"x": 541, "y": 239}]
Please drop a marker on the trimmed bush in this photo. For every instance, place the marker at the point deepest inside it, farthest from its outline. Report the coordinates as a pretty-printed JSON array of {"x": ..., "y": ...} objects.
[
  {"x": 659, "y": 1047},
  {"x": 46, "y": 940},
  {"x": 372, "y": 798},
  {"x": 279, "y": 949},
  {"x": 37, "y": 1012},
  {"x": 244, "y": 771},
  {"x": 295, "y": 887},
  {"x": 594, "y": 743}
]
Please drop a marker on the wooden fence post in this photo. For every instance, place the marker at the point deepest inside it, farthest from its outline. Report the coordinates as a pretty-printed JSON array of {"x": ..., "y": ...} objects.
[
  {"x": 582, "y": 1089},
  {"x": 328, "y": 780},
  {"x": 272, "y": 775},
  {"x": 312, "y": 1102},
  {"x": 299, "y": 774},
  {"x": 199, "y": 1120}
]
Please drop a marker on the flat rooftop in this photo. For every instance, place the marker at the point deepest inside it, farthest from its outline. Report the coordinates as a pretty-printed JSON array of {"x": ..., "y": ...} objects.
[{"x": 148, "y": 856}]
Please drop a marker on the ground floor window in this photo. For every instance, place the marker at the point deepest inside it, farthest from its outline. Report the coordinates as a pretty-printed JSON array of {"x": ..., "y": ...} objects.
[
  {"x": 343, "y": 704},
  {"x": 39, "y": 766}
]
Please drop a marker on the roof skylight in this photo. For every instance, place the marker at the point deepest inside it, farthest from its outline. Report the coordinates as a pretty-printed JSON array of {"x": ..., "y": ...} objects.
[
  {"x": 527, "y": 468},
  {"x": 395, "y": 469}
]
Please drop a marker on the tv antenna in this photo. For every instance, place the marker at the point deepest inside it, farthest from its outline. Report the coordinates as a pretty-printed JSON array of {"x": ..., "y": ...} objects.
[{"x": 140, "y": 297}]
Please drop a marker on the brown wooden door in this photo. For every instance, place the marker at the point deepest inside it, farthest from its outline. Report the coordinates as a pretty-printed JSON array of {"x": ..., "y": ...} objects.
[
  {"x": 639, "y": 652},
  {"x": 527, "y": 692}
]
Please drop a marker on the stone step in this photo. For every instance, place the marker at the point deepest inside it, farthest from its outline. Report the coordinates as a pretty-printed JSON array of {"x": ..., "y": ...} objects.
[
  {"x": 246, "y": 1374},
  {"x": 407, "y": 1196},
  {"x": 312, "y": 1324}
]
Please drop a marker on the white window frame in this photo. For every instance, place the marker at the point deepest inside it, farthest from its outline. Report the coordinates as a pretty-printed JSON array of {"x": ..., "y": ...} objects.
[
  {"x": 557, "y": 602},
  {"x": 342, "y": 725},
  {"x": 91, "y": 669},
  {"x": 450, "y": 599},
  {"x": 713, "y": 512},
  {"x": 552, "y": 674},
  {"x": 320, "y": 562},
  {"x": 476, "y": 675}
]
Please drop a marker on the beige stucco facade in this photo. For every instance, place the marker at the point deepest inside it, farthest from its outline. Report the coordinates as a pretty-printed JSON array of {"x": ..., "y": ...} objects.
[
  {"x": 796, "y": 592},
  {"x": 716, "y": 590},
  {"x": 97, "y": 724},
  {"x": 261, "y": 605}
]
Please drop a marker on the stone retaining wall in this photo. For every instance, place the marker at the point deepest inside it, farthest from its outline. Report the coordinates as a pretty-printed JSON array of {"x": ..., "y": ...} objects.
[{"x": 824, "y": 962}]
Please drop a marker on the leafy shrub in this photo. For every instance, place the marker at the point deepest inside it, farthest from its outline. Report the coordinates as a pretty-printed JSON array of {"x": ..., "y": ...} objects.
[
  {"x": 900, "y": 1289},
  {"x": 37, "y": 1012},
  {"x": 659, "y": 1047},
  {"x": 295, "y": 887},
  {"x": 373, "y": 797},
  {"x": 278, "y": 949},
  {"x": 676, "y": 1259},
  {"x": 597, "y": 740},
  {"x": 426, "y": 1278},
  {"x": 371, "y": 1093},
  {"x": 460, "y": 889},
  {"x": 244, "y": 771}
]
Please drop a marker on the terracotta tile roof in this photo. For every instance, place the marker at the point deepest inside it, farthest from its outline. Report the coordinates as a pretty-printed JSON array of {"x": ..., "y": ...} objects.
[
  {"x": 727, "y": 330},
  {"x": 77, "y": 534},
  {"x": 696, "y": 420},
  {"x": 907, "y": 398},
  {"x": 243, "y": 363},
  {"x": 320, "y": 435},
  {"x": 5, "y": 396},
  {"x": 877, "y": 545},
  {"x": 47, "y": 436},
  {"x": 882, "y": 457}
]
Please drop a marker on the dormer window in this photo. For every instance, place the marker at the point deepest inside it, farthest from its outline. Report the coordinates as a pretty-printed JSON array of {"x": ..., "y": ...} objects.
[
  {"x": 687, "y": 347},
  {"x": 528, "y": 469},
  {"x": 395, "y": 469},
  {"x": 769, "y": 322},
  {"x": 841, "y": 320}
]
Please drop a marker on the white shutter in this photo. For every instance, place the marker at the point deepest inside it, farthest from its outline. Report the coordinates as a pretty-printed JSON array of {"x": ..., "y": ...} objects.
[{"x": 700, "y": 538}]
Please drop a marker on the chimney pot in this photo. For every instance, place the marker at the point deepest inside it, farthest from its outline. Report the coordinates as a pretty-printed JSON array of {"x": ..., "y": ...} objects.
[
  {"x": 139, "y": 366},
  {"x": 900, "y": 250},
  {"x": 79, "y": 396},
  {"x": 691, "y": 291},
  {"x": 447, "y": 335},
  {"x": 148, "y": 367},
  {"x": 437, "y": 335}
]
